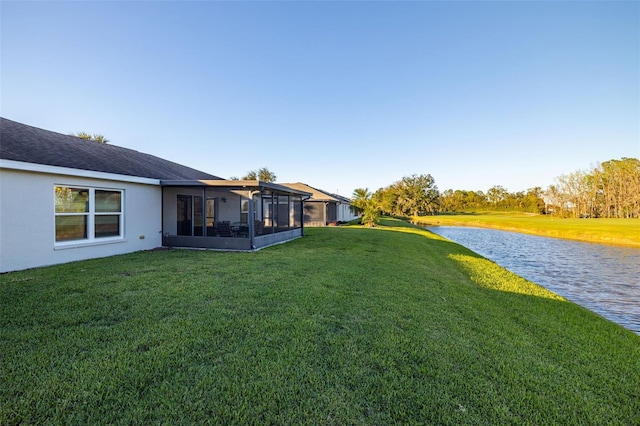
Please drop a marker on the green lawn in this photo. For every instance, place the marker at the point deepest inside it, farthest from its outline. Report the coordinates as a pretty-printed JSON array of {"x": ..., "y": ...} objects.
[
  {"x": 344, "y": 326},
  {"x": 606, "y": 231}
]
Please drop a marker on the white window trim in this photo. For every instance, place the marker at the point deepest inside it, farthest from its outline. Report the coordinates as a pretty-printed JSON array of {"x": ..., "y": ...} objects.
[{"x": 91, "y": 239}]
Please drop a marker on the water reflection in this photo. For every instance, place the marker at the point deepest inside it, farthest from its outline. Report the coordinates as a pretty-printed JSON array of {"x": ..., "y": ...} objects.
[{"x": 601, "y": 278}]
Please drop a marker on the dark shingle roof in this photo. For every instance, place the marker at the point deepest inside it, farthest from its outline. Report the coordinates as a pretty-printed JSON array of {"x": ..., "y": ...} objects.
[
  {"x": 317, "y": 194},
  {"x": 19, "y": 142}
]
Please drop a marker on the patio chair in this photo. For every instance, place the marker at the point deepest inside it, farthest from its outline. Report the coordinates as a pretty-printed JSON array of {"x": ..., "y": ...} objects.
[{"x": 224, "y": 229}]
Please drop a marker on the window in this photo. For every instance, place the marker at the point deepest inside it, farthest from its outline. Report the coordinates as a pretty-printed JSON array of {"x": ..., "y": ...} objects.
[
  {"x": 211, "y": 209},
  {"x": 88, "y": 214},
  {"x": 108, "y": 213},
  {"x": 267, "y": 210},
  {"x": 244, "y": 211}
]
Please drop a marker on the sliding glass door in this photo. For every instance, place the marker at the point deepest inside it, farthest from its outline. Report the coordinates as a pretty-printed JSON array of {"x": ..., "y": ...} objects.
[{"x": 190, "y": 215}]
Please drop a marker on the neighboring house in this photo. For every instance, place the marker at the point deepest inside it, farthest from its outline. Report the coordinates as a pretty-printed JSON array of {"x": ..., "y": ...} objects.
[
  {"x": 63, "y": 199},
  {"x": 324, "y": 208}
]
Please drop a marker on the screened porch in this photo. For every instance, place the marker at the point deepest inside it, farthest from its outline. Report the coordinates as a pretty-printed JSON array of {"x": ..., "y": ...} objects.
[{"x": 230, "y": 215}]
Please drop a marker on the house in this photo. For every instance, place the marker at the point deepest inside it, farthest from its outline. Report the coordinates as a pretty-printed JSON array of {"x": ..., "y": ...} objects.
[
  {"x": 63, "y": 199},
  {"x": 323, "y": 208}
]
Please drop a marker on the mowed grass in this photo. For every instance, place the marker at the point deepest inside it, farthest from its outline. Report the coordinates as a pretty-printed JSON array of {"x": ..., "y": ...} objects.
[
  {"x": 344, "y": 326},
  {"x": 604, "y": 231}
]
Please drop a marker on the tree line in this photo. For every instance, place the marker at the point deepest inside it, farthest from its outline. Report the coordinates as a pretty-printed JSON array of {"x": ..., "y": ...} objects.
[
  {"x": 611, "y": 189},
  {"x": 262, "y": 174},
  {"x": 496, "y": 198}
]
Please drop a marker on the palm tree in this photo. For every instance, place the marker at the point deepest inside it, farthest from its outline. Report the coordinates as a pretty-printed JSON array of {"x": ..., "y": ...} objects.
[
  {"x": 252, "y": 175},
  {"x": 363, "y": 201},
  {"x": 263, "y": 174},
  {"x": 266, "y": 175},
  {"x": 90, "y": 137},
  {"x": 360, "y": 197}
]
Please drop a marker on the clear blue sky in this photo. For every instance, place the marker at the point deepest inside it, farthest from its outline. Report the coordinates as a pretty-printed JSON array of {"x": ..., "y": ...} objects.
[{"x": 339, "y": 95}]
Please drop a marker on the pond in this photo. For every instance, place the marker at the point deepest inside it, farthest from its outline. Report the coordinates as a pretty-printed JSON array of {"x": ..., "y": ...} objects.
[{"x": 602, "y": 278}]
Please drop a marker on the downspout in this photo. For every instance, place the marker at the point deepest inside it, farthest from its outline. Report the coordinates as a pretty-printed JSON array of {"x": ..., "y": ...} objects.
[
  {"x": 302, "y": 200},
  {"x": 162, "y": 216},
  {"x": 326, "y": 208}
]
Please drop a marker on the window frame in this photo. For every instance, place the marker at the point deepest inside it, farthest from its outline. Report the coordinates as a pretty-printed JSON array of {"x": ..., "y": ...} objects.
[
  {"x": 197, "y": 212},
  {"x": 90, "y": 214},
  {"x": 244, "y": 210}
]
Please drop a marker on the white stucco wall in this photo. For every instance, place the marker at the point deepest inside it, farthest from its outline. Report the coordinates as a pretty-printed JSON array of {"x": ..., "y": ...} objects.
[
  {"x": 27, "y": 221},
  {"x": 344, "y": 213}
]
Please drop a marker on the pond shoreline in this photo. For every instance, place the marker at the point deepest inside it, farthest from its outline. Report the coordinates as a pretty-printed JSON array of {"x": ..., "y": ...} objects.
[
  {"x": 564, "y": 229},
  {"x": 599, "y": 277}
]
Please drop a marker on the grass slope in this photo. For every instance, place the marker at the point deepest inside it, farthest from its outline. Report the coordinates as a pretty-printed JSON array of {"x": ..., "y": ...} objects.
[
  {"x": 343, "y": 326},
  {"x": 605, "y": 231}
]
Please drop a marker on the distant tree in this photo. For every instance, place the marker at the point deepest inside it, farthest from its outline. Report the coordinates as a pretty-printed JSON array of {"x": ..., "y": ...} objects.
[
  {"x": 555, "y": 200},
  {"x": 252, "y": 175},
  {"x": 263, "y": 174},
  {"x": 411, "y": 196},
  {"x": 386, "y": 199},
  {"x": 476, "y": 199},
  {"x": 420, "y": 193},
  {"x": 532, "y": 201},
  {"x": 95, "y": 137},
  {"x": 497, "y": 198},
  {"x": 462, "y": 201},
  {"x": 452, "y": 201},
  {"x": 568, "y": 192},
  {"x": 611, "y": 189},
  {"x": 496, "y": 195},
  {"x": 620, "y": 186},
  {"x": 364, "y": 201}
]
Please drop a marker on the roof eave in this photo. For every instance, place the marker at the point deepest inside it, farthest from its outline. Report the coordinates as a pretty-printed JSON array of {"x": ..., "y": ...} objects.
[{"x": 235, "y": 184}]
